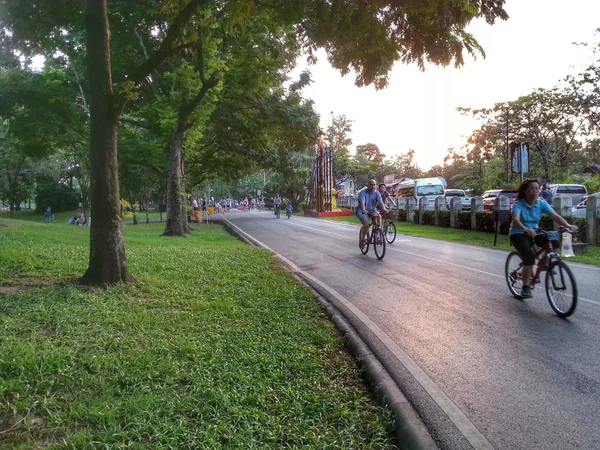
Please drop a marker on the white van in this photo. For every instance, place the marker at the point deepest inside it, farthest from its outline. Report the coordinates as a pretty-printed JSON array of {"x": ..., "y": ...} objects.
[{"x": 430, "y": 188}]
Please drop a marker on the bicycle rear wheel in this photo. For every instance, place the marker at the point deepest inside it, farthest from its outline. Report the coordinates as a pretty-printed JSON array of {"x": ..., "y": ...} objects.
[
  {"x": 561, "y": 288},
  {"x": 364, "y": 249},
  {"x": 379, "y": 243},
  {"x": 390, "y": 232},
  {"x": 513, "y": 271}
]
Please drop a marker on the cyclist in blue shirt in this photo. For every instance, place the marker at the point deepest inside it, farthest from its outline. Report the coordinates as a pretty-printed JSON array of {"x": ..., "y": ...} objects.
[
  {"x": 527, "y": 211},
  {"x": 368, "y": 202}
]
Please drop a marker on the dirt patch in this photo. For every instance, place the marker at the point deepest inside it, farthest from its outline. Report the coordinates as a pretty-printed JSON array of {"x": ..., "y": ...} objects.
[
  {"x": 16, "y": 289},
  {"x": 2, "y": 225}
]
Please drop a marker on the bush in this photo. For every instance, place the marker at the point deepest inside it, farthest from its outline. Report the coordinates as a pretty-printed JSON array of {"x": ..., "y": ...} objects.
[
  {"x": 444, "y": 217},
  {"x": 59, "y": 197},
  {"x": 402, "y": 215},
  {"x": 464, "y": 220},
  {"x": 485, "y": 222},
  {"x": 428, "y": 218}
]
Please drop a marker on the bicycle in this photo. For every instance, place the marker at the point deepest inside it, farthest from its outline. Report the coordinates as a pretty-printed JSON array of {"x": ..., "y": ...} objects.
[
  {"x": 560, "y": 284},
  {"x": 389, "y": 230},
  {"x": 375, "y": 237},
  {"x": 288, "y": 213}
]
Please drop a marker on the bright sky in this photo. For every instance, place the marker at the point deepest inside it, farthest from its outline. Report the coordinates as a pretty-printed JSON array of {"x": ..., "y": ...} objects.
[{"x": 532, "y": 49}]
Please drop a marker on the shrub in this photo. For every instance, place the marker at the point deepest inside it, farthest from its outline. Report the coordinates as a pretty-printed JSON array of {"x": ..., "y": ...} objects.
[
  {"x": 401, "y": 215},
  {"x": 444, "y": 217},
  {"x": 428, "y": 218},
  {"x": 464, "y": 220}
]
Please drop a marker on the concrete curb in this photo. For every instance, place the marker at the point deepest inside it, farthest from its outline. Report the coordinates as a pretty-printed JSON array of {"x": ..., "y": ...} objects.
[{"x": 411, "y": 433}]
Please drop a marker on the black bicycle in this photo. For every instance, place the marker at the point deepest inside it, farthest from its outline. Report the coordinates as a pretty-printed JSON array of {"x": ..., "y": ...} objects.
[
  {"x": 561, "y": 287},
  {"x": 375, "y": 237},
  {"x": 389, "y": 230}
]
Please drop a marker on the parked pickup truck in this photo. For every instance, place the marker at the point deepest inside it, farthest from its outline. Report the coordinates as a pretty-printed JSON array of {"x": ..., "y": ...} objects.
[{"x": 465, "y": 200}]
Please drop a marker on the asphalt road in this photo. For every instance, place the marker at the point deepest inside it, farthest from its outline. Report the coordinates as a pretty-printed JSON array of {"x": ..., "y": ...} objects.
[{"x": 483, "y": 369}]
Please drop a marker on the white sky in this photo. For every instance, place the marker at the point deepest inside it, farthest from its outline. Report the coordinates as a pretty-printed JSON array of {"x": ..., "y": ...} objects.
[{"x": 532, "y": 49}]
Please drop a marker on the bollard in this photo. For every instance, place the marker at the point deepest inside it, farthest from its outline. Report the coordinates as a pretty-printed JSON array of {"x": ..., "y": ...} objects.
[
  {"x": 592, "y": 215},
  {"x": 411, "y": 204},
  {"x": 401, "y": 202},
  {"x": 476, "y": 206},
  {"x": 440, "y": 205},
  {"x": 562, "y": 205},
  {"x": 501, "y": 203},
  {"x": 422, "y": 208},
  {"x": 455, "y": 208}
]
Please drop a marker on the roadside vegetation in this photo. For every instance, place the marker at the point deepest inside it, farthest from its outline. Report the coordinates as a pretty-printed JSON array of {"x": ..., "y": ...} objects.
[
  {"x": 213, "y": 346},
  {"x": 477, "y": 238}
]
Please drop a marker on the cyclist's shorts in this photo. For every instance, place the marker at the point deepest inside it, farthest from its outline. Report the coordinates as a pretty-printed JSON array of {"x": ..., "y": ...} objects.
[
  {"x": 364, "y": 218},
  {"x": 524, "y": 245}
]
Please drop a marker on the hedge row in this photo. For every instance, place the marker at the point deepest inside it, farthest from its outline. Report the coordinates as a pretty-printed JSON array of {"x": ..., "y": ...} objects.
[{"x": 485, "y": 222}]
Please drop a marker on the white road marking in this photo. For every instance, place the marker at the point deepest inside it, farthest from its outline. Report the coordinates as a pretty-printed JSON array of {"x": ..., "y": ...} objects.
[{"x": 466, "y": 427}]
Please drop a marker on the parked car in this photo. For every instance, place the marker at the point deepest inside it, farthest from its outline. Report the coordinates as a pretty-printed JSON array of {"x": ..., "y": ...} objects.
[
  {"x": 465, "y": 200},
  {"x": 575, "y": 191},
  {"x": 580, "y": 209},
  {"x": 489, "y": 197}
]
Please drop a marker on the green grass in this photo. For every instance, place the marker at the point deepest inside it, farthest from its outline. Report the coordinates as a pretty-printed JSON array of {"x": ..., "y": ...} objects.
[
  {"x": 214, "y": 346},
  {"x": 477, "y": 238},
  {"x": 63, "y": 217}
]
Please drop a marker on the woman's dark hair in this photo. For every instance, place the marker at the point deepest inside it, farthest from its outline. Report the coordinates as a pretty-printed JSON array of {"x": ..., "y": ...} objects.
[{"x": 524, "y": 185}]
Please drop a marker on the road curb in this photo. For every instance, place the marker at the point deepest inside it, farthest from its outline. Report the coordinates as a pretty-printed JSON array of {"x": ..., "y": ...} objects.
[{"x": 411, "y": 433}]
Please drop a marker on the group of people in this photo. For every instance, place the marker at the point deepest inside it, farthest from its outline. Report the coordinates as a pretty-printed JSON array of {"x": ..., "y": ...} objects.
[
  {"x": 532, "y": 203},
  {"x": 81, "y": 220}
]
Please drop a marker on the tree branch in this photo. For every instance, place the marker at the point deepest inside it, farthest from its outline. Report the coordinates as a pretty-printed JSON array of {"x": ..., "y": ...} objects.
[
  {"x": 169, "y": 47},
  {"x": 187, "y": 110}
]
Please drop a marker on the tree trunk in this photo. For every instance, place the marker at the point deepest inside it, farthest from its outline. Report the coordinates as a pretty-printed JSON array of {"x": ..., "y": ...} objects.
[
  {"x": 175, "y": 205},
  {"x": 107, "y": 264}
]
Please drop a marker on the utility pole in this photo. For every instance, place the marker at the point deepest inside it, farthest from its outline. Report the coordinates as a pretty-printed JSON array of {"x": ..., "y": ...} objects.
[{"x": 507, "y": 152}]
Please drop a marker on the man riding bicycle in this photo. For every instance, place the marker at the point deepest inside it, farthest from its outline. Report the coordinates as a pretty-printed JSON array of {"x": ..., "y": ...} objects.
[
  {"x": 368, "y": 201},
  {"x": 277, "y": 203},
  {"x": 527, "y": 212}
]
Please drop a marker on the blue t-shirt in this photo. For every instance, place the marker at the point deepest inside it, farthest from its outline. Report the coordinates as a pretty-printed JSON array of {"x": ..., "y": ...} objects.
[
  {"x": 370, "y": 200},
  {"x": 530, "y": 215}
]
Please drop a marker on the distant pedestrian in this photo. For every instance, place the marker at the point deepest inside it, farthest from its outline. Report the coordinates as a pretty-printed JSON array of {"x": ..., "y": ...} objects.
[
  {"x": 546, "y": 193},
  {"x": 49, "y": 215}
]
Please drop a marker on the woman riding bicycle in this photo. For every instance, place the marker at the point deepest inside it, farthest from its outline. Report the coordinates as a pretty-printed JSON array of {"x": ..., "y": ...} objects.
[{"x": 527, "y": 212}]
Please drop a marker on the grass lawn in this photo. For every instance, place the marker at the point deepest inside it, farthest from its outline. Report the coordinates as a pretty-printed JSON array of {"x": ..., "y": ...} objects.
[
  {"x": 477, "y": 238},
  {"x": 63, "y": 217},
  {"x": 214, "y": 346}
]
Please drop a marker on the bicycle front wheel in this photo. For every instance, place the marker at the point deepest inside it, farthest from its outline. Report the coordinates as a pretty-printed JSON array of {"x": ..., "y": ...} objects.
[
  {"x": 513, "y": 271},
  {"x": 379, "y": 243},
  {"x": 561, "y": 288},
  {"x": 390, "y": 232},
  {"x": 365, "y": 248}
]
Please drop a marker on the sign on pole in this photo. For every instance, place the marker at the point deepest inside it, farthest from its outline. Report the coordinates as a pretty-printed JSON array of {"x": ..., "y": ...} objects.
[
  {"x": 520, "y": 157},
  {"x": 388, "y": 179}
]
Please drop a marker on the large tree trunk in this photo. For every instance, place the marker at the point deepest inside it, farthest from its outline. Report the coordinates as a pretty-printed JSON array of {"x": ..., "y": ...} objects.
[
  {"x": 107, "y": 264},
  {"x": 175, "y": 205}
]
